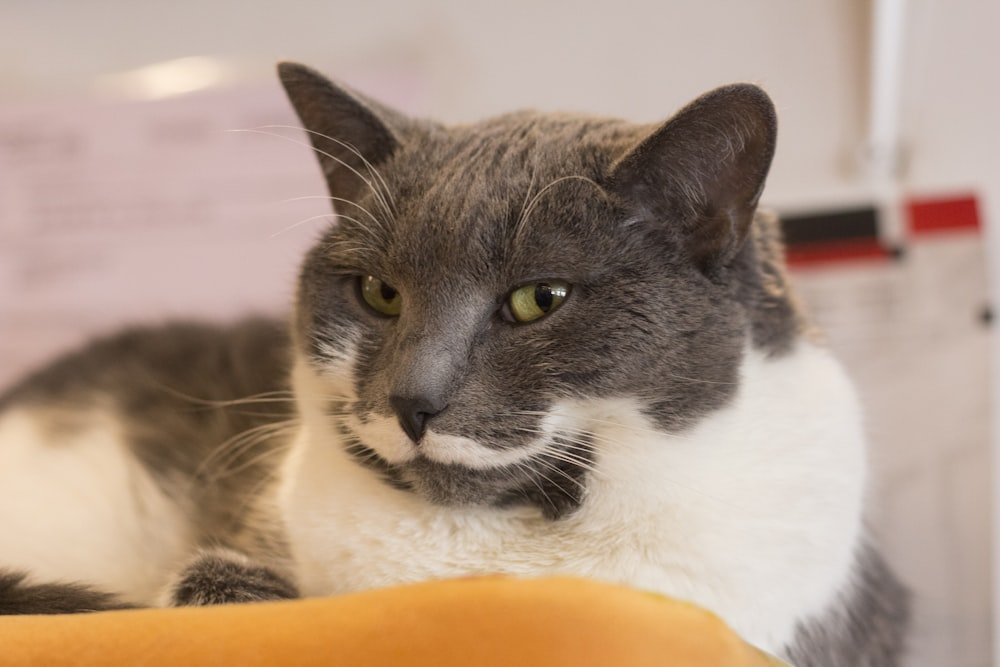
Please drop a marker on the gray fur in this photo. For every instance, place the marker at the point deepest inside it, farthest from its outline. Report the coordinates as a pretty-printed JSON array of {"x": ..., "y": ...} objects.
[
  {"x": 865, "y": 628},
  {"x": 19, "y": 596},
  {"x": 220, "y": 577},
  {"x": 180, "y": 393},
  {"x": 647, "y": 223},
  {"x": 671, "y": 271}
]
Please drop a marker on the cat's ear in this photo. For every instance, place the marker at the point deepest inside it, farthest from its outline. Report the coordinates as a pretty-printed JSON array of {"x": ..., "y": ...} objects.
[
  {"x": 351, "y": 134},
  {"x": 704, "y": 170}
]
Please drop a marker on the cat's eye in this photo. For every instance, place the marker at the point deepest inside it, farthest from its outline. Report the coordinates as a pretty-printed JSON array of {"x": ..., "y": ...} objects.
[
  {"x": 536, "y": 300},
  {"x": 379, "y": 296}
]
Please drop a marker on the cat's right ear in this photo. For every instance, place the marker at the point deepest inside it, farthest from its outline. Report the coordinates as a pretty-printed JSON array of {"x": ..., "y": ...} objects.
[{"x": 351, "y": 134}]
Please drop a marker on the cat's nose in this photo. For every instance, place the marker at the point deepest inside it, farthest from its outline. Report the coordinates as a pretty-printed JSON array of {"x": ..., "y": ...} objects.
[{"x": 413, "y": 413}]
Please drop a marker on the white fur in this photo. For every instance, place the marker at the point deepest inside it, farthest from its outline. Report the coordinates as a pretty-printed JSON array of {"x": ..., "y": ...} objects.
[
  {"x": 386, "y": 437},
  {"x": 76, "y": 506},
  {"x": 754, "y": 513}
]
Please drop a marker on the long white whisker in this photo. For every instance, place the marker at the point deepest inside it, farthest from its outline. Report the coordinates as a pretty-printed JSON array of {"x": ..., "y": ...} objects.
[
  {"x": 232, "y": 448},
  {"x": 378, "y": 196},
  {"x": 356, "y": 205},
  {"x": 554, "y": 468},
  {"x": 521, "y": 465},
  {"x": 552, "y": 451},
  {"x": 368, "y": 165},
  {"x": 262, "y": 456},
  {"x": 302, "y": 222}
]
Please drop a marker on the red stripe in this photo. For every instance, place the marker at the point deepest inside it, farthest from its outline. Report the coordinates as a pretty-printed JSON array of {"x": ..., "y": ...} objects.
[
  {"x": 937, "y": 214},
  {"x": 827, "y": 252}
]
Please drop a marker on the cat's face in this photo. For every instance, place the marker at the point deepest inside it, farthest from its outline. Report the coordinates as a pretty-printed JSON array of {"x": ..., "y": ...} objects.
[{"x": 485, "y": 283}]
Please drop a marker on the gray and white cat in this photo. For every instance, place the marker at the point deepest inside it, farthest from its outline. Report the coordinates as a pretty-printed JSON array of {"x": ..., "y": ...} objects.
[{"x": 537, "y": 344}]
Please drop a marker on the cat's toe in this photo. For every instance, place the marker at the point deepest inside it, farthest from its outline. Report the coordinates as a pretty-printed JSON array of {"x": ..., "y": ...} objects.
[{"x": 225, "y": 578}]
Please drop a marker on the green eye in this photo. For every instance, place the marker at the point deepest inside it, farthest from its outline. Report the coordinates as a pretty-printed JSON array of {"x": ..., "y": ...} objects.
[
  {"x": 383, "y": 299},
  {"x": 536, "y": 300}
]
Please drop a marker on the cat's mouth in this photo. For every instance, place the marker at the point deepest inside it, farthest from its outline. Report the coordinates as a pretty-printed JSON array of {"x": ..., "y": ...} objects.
[{"x": 548, "y": 480}]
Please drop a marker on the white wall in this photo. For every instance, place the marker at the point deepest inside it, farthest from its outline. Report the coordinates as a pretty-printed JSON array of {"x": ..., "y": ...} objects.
[{"x": 634, "y": 58}]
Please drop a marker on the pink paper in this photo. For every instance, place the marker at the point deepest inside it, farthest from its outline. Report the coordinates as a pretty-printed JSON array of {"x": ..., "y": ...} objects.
[{"x": 141, "y": 212}]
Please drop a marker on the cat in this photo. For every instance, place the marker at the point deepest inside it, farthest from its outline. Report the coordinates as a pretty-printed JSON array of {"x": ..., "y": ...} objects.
[{"x": 537, "y": 344}]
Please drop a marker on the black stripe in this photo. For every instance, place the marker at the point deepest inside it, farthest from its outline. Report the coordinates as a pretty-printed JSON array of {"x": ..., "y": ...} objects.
[{"x": 833, "y": 225}]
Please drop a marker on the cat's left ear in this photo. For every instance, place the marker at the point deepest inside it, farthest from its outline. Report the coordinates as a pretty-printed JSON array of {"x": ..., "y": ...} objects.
[{"x": 703, "y": 171}]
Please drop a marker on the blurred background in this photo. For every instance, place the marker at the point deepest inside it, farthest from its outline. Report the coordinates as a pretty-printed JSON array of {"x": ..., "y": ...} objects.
[{"x": 147, "y": 172}]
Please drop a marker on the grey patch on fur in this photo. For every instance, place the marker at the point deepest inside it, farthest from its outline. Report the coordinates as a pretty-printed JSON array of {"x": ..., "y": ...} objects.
[
  {"x": 866, "y": 626},
  {"x": 648, "y": 224},
  {"x": 17, "y": 596},
  {"x": 215, "y": 578},
  {"x": 553, "y": 485},
  {"x": 559, "y": 486},
  {"x": 180, "y": 392}
]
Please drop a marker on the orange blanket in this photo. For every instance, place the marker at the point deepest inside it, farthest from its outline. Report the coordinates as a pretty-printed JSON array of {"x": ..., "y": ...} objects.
[{"x": 488, "y": 621}]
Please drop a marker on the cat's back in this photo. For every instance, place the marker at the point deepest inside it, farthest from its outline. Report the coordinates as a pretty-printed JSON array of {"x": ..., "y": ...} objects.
[
  {"x": 139, "y": 363},
  {"x": 117, "y": 457}
]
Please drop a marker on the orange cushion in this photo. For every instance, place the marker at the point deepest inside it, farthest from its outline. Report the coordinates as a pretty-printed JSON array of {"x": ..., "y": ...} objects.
[{"x": 485, "y": 621}]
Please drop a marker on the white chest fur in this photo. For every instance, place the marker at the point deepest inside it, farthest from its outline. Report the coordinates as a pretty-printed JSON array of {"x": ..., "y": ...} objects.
[{"x": 754, "y": 513}]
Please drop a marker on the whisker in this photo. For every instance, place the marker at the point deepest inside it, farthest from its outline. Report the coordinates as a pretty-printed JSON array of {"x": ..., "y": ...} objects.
[
  {"x": 553, "y": 467},
  {"x": 338, "y": 214},
  {"x": 594, "y": 468},
  {"x": 552, "y": 451},
  {"x": 233, "y": 447},
  {"x": 674, "y": 376},
  {"x": 570, "y": 456},
  {"x": 532, "y": 474},
  {"x": 367, "y": 182},
  {"x": 368, "y": 165},
  {"x": 524, "y": 206},
  {"x": 578, "y": 483},
  {"x": 302, "y": 222},
  {"x": 270, "y": 452},
  {"x": 527, "y": 211},
  {"x": 244, "y": 440}
]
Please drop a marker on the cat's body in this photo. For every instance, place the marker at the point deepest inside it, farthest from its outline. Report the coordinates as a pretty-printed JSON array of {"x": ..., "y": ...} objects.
[{"x": 537, "y": 345}]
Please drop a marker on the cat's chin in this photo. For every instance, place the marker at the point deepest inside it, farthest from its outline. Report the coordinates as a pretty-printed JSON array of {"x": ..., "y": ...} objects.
[
  {"x": 501, "y": 487},
  {"x": 457, "y": 485}
]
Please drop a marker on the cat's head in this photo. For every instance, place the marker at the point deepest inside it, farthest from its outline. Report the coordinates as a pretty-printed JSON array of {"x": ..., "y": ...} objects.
[{"x": 484, "y": 284}]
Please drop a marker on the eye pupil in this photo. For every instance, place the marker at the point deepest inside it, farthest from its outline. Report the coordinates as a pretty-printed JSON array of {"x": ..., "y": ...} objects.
[
  {"x": 379, "y": 296},
  {"x": 544, "y": 297},
  {"x": 535, "y": 300}
]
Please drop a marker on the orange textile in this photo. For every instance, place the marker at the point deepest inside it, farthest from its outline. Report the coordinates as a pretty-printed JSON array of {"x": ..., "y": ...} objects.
[{"x": 468, "y": 622}]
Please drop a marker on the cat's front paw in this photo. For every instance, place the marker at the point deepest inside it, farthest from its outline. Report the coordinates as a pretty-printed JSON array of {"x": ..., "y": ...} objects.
[{"x": 222, "y": 576}]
